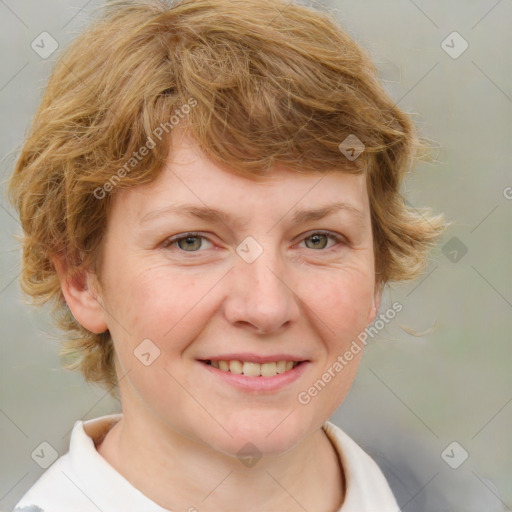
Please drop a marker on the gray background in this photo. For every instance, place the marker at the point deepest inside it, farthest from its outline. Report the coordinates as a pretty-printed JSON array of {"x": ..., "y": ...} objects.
[{"x": 413, "y": 396}]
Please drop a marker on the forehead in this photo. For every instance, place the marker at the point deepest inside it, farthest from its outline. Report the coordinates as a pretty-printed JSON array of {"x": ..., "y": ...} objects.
[{"x": 192, "y": 183}]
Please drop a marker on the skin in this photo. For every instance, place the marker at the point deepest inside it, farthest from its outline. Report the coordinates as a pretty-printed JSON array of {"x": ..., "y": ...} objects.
[{"x": 302, "y": 295}]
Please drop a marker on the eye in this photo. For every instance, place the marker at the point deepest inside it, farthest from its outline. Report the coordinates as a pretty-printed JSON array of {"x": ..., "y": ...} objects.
[
  {"x": 193, "y": 242},
  {"x": 189, "y": 242},
  {"x": 319, "y": 240}
]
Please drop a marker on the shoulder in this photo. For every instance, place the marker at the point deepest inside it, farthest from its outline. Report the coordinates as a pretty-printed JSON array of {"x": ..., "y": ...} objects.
[
  {"x": 55, "y": 488},
  {"x": 415, "y": 473},
  {"x": 70, "y": 483},
  {"x": 366, "y": 485}
]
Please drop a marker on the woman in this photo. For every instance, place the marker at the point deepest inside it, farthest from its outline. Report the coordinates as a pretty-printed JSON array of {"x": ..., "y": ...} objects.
[{"x": 210, "y": 196}]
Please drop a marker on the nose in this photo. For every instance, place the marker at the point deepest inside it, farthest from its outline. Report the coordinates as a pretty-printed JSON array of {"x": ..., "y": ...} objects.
[{"x": 261, "y": 294}]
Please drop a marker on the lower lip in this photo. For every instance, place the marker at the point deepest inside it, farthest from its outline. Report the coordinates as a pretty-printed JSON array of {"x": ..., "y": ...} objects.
[{"x": 259, "y": 384}]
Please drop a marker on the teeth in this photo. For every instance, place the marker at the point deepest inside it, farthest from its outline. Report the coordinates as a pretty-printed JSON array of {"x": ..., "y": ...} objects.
[
  {"x": 254, "y": 369},
  {"x": 268, "y": 369},
  {"x": 236, "y": 367},
  {"x": 281, "y": 366}
]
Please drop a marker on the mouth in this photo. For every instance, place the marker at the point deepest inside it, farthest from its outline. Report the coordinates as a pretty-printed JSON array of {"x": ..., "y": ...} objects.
[
  {"x": 253, "y": 369},
  {"x": 256, "y": 377}
]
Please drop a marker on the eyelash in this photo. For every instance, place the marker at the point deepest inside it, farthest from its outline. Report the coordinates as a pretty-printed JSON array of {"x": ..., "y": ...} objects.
[{"x": 333, "y": 236}]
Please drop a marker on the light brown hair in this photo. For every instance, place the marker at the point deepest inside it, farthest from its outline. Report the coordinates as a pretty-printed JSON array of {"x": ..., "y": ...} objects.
[{"x": 267, "y": 83}]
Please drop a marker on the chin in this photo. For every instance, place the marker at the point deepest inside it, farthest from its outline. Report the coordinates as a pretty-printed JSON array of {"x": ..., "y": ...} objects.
[{"x": 268, "y": 433}]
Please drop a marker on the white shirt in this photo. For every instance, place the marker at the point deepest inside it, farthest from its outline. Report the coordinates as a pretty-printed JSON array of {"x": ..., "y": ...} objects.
[{"x": 83, "y": 481}]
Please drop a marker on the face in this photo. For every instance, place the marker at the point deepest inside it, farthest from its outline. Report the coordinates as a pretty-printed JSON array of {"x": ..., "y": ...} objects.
[{"x": 262, "y": 281}]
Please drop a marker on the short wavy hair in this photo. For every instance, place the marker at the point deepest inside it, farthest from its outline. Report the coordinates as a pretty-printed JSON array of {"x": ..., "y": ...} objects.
[{"x": 256, "y": 82}]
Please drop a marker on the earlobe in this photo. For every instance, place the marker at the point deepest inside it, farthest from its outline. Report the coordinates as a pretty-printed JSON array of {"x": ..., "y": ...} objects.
[{"x": 82, "y": 297}]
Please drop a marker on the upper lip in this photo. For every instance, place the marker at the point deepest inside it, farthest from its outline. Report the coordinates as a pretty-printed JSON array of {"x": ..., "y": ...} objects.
[{"x": 254, "y": 358}]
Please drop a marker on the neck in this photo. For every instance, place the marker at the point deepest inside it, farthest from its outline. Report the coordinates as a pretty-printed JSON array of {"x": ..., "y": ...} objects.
[{"x": 185, "y": 474}]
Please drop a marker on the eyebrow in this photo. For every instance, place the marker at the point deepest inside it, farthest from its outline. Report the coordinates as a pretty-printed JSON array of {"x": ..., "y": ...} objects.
[{"x": 219, "y": 216}]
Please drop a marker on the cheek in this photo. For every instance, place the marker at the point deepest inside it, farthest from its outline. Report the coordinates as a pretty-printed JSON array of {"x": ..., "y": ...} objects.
[
  {"x": 161, "y": 304},
  {"x": 340, "y": 301}
]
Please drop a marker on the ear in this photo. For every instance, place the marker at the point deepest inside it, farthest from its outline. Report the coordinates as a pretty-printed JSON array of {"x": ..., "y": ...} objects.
[
  {"x": 81, "y": 291},
  {"x": 377, "y": 296}
]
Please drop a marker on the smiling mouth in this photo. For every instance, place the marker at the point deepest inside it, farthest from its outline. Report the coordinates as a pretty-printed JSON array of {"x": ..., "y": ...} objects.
[{"x": 250, "y": 369}]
